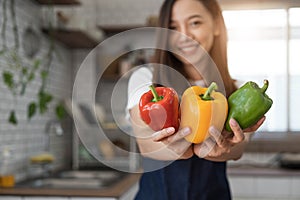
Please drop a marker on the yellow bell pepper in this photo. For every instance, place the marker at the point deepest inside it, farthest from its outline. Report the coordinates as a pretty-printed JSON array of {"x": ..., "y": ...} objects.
[{"x": 201, "y": 108}]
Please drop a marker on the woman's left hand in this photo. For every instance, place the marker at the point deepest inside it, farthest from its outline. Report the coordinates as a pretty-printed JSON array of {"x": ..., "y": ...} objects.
[{"x": 225, "y": 146}]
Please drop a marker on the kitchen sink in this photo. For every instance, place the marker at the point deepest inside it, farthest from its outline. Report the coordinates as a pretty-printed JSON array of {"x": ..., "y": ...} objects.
[
  {"x": 103, "y": 175},
  {"x": 67, "y": 183},
  {"x": 74, "y": 179}
]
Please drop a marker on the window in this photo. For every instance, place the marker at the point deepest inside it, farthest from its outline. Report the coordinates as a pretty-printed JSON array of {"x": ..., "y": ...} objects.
[
  {"x": 265, "y": 44},
  {"x": 294, "y": 68}
]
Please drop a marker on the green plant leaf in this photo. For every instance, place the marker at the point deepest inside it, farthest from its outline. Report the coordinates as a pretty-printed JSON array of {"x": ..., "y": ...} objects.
[
  {"x": 60, "y": 111},
  {"x": 31, "y": 110},
  {"x": 44, "y": 99},
  {"x": 2, "y": 52},
  {"x": 12, "y": 118},
  {"x": 44, "y": 74},
  {"x": 8, "y": 79},
  {"x": 31, "y": 77},
  {"x": 24, "y": 70},
  {"x": 23, "y": 88},
  {"x": 36, "y": 64}
]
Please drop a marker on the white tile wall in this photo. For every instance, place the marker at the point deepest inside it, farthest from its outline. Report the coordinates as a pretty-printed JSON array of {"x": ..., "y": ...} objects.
[{"x": 28, "y": 138}]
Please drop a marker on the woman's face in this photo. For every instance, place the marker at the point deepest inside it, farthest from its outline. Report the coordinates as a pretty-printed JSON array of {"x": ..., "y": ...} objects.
[{"x": 192, "y": 19}]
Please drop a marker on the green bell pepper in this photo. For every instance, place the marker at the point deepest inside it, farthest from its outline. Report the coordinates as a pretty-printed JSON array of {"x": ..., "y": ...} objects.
[{"x": 248, "y": 104}]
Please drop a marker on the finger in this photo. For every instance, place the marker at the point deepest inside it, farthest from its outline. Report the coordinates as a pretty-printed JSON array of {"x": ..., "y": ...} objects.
[
  {"x": 178, "y": 136},
  {"x": 178, "y": 147},
  {"x": 256, "y": 126},
  {"x": 162, "y": 134},
  {"x": 238, "y": 133},
  {"x": 205, "y": 147},
  {"x": 217, "y": 136}
]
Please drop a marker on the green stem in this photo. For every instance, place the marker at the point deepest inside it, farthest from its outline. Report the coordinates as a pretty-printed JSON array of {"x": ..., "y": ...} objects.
[
  {"x": 265, "y": 86},
  {"x": 3, "y": 28},
  {"x": 156, "y": 98},
  {"x": 213, "y": 86},
  {"x": 15, "y": 26}
]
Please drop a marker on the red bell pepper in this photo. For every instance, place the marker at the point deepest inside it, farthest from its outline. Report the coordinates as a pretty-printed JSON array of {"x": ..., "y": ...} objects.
[{"x": 159, "y": 108}]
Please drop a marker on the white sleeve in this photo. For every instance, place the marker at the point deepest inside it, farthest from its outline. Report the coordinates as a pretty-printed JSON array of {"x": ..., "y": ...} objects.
[{"x": 138, "y": 84}]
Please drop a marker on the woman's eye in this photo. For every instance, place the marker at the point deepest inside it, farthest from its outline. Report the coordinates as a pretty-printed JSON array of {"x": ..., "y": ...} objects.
[
  {"x": 173, "y": 27},
  {"x": 195, "y": 23}
]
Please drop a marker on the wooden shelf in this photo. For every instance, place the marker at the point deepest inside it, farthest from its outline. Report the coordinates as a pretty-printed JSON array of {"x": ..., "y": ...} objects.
[
  {"x": 111, "y": 30},
  {"x": 72, "y": 38},
  {"x": 58, "y": 2}
]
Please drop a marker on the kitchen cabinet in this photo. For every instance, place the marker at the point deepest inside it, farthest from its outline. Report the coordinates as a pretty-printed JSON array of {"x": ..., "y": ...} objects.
[
  {"x": 264, "y": 183},
  {"x": 10, "y": 198},
  {"x": 73, "y": 38}
]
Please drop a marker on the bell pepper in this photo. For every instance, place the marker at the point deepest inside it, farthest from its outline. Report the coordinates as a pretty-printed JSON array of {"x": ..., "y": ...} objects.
[
  {"x": 159, "y": 108},
  {"x": 201, "y": 108},
  {"x": 248, "y": 104}
]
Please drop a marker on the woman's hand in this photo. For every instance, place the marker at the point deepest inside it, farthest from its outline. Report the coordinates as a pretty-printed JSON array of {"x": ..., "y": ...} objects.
[
  {"x": 175, "y": 141},
  {"x": 226, "y": 145}
]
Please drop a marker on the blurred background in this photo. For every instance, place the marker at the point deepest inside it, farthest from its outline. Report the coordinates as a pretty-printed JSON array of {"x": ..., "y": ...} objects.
[{"x": 42, "y": 45}]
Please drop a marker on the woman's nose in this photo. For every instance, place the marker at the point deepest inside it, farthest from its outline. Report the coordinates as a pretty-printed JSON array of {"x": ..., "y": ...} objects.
[{"x": 185, "y": 33}]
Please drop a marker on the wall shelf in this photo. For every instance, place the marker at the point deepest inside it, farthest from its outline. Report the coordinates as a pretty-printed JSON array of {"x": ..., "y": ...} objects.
[
  {"x": 72, "y": 38},
  {"x": 58, "y": 2},
  {"x": 114, "y": 29}
]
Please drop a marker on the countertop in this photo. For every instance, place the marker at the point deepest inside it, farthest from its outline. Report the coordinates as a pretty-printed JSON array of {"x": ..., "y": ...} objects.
[
  {"x": 262, "y": 171},
  {"x": 115, "y": 190}
]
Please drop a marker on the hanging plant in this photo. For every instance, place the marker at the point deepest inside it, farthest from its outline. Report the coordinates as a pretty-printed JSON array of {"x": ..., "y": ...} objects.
[{"x": 17, "y": 75}]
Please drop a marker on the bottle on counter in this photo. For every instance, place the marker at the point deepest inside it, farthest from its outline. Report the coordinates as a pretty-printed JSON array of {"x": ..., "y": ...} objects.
[{"x": 7, "y": 178}]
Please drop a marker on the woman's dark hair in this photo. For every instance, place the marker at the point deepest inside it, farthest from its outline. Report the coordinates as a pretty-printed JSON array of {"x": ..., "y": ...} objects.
[{"x": 218, "y": 53}]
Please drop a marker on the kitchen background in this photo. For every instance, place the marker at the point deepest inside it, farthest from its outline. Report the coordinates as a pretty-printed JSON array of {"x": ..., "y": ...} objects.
[{"x": 253, "y": 176}]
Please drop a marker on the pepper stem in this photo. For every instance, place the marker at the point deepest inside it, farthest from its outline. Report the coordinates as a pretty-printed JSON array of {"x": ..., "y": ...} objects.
[
  {"x": 156, "y": 98},
  {"x": 265, "y": 86},
  {"x": 213, "y": 86}
]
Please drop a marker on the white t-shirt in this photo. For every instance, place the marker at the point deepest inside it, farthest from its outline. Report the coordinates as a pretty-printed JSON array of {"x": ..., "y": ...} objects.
[{"x": 138, "y": 84}]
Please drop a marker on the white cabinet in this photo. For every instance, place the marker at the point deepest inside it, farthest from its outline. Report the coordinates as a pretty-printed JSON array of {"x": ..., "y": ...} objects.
[
  {"x": 10, "y": 198},
  {"x": 265, "y": 187}
]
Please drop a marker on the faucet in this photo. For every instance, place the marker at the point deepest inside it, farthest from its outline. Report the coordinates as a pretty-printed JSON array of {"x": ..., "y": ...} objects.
[{"x": 52, "y": 126}]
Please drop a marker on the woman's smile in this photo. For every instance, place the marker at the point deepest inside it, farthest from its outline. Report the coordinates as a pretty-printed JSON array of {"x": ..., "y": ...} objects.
[{"x": 188, "y": 48}]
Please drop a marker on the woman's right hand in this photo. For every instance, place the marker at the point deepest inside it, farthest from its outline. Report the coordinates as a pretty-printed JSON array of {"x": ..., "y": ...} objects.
[
  {"x": 165, "y": 144},
  {"x": 175, "y": 141}
]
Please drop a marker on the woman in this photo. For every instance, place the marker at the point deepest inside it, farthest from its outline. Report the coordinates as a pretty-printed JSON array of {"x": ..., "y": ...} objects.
[{"x": 189, "y": 173}]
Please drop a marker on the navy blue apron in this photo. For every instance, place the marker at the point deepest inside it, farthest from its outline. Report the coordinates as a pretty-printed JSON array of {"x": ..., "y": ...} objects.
[{"x": 191, "y": 179}]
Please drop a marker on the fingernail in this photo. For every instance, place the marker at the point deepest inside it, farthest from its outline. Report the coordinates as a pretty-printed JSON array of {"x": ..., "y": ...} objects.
[
  {"x": 212, "y": 130},
  {"x": 170, "y": 130},
  {"x": 185, "y": 131},
  {"x": 233, "y": 122}
]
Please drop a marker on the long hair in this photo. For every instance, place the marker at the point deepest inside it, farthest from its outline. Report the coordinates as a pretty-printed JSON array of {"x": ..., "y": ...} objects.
[{"x": 218, "y": 52}]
